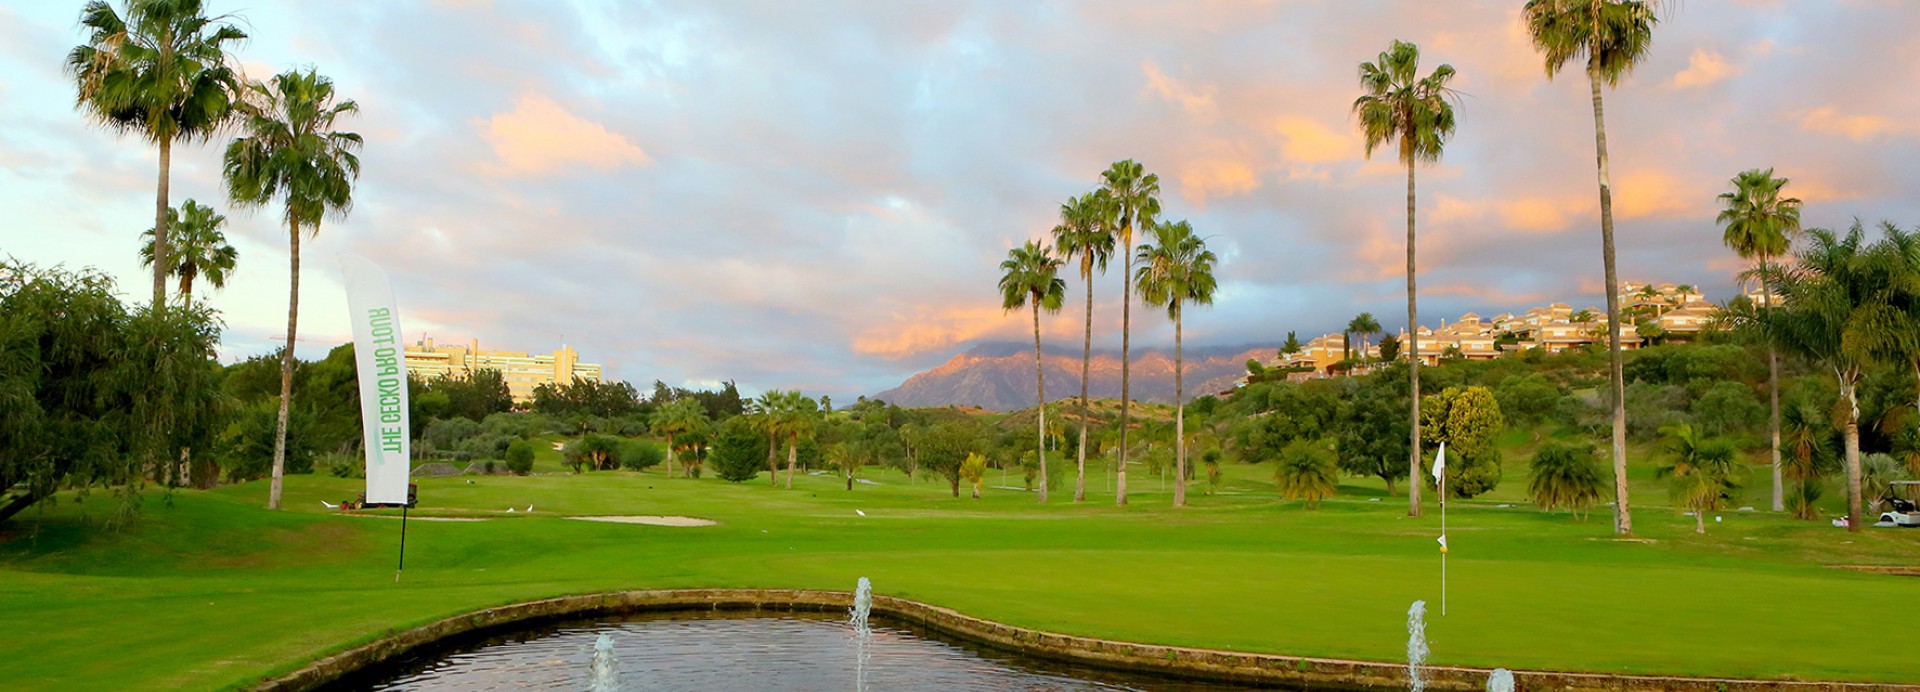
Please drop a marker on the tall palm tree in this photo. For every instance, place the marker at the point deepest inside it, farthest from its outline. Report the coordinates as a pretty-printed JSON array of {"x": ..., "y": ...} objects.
[
  {"x": 291, "y": 150},
  {"x": 1176, "y": 268},
  {"x": 198, "y": 247},
  {"x": 1083, "y": 233},
  {"x": 161, "y": 69},
  {"x": 1365, "y": 325},
  {"x": 1032, "y": 276},
  {"x": 1132, "y": 199},
  {"x": 1761, "y": 225},
  {"x": 797, "y": 416},
  {"x": 1613, "y": 36},
  {"x": 1417, "y": 112},
  {"x": 766, "y": 419},
  {"x": 1834, "y": 311}
]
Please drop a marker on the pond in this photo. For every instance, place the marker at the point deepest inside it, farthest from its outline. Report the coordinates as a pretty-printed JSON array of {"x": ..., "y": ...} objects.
[{"x": 735, "y": 650}]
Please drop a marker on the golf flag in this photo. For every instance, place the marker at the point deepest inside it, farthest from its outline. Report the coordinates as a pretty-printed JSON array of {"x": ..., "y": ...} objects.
[
  {"x": 378, "y": 355},
  {"x": 1443, "y": 542},
  {"x": 1440, "y": 464}
]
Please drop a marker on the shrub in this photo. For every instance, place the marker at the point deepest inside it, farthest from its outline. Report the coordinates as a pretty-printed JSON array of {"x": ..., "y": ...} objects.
[
  {"x": 521, "y": 425},
  {"x": 1565, "y": 475},
  {"x": 484, "y": 445},
  {"x": 594, "y": 452},
  {"x": 738, "y": 451},
  {"x": 520, "y": 457},
  {"x": 1727, "y": 408},
  {"x": 636, "y": 455},
  {"x": 448, "y": 433},
  {"x": 1307, "y": 471}
]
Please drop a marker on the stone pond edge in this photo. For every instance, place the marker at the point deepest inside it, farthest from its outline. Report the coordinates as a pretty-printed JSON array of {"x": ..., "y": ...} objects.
[{"x": 1188, "y": 663}]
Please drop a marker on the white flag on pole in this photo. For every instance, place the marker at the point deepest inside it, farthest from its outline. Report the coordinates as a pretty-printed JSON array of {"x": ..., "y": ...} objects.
[
  {"x": 378, "y": 354},
  {"x": 1443, "y": 541},
  {"x": 1440, "y": 463}
]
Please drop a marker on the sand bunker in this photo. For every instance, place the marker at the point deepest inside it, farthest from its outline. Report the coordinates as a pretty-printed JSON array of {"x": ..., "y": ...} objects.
[{"x": 651, "y": 520}]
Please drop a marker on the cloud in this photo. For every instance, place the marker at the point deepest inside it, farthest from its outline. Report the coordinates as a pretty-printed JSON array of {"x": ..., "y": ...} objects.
[
  {"x": 538, "y": 137},
  {"x": 1197, "y": 102},
  {"x": 1200, "y": 179},
  {"x": 1307, "y": 141},
  {"x": 1653, "y": 192},
  {"x": 1859, "y": 128},
  {"x": 1704, "y": 68}
]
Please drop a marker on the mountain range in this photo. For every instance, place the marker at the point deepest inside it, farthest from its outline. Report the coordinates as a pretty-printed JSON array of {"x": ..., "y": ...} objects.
[{"x": 999, "y": 376}]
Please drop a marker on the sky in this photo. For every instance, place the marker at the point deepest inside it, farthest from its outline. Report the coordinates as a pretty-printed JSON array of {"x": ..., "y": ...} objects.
[{"x": 817, "y": 195}]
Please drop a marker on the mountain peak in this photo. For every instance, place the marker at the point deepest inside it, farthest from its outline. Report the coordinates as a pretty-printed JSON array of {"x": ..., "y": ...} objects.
[{"x": 999, "y": 376}]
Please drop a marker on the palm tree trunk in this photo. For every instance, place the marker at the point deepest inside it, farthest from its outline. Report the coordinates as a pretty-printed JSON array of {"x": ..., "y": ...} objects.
[
  {"x": 1773, "y": 425},
  {"x": 162, "y": 258},
  {"x": 1126, "y": 369},
  {"x": 186, "y": 286},
  {"x": 1040, "y": 380},
  {"x": 1179, "y": 419},
  {"x": 773, "y": 459},
  {"x": 286, "y": 367},
  {"x": 1852, "y": 431},
  {"x": 793, "y": 457},
  {"x": 669, "y": 455},
  {"x": 1622, "y": 514},
  {"x": 1413, "y": 364},
  {"x": 1086, "y": 361},
  {"x": 1699, "y": 521}
]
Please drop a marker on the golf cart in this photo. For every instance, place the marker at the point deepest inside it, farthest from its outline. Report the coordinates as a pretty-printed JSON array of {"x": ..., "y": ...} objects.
[{"x": 1901, "y": 511}]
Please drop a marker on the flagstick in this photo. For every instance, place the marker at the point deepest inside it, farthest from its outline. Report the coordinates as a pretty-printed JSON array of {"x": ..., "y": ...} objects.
[
  {"x": 403, "y": 550},
  {"x": 1443, "y": 552}
]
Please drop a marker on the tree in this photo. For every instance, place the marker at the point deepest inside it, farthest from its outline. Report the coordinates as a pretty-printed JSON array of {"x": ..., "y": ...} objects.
[
  {"x": 738, "y": 448},
  {"x": 1702, "y": 472},
  {"x": 161, "y": 69},
  {"x": 1613, "y": 36},
  {"x": 1389, "y": 348},
  {"x": 1565, "y": 475},
  {"x": 1291, "y": 346},
  {"x": 1466, "y": 419},
  {"x": 291, "y": 150},
  {"x": 197, "y": 246},
  {"x": 520, "y": 457},
  {"x": 1834, "y": 312},
  {"x": 1032, "y": 276},
  {"x": 795, "y": 417},
  {"x": 1083, "y": 233},
  {"x": 1364, "y": 325},
  {"x": 1176, "y": 268},
  {"x": 1808, "y": 439},
  {"x": 944, "y": 446},
  {"x": 594, "y": 453},
  {"x": 94, "y": 394},
  {"x": 1306, "y": 472},
  {"x": 474, "y": 396},
  {"x": 1417, "y": 112},
  {"x": 1131, "y": 198},
  {"x": 675, "y": 418},
  {"x": 766, "y": 419},
  {"x": 1371, "y": 430},
  {"x": 974, "y": 471}
]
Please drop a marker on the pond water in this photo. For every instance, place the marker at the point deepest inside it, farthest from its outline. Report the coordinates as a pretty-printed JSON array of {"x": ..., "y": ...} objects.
[{"x": 740, "y": 651}]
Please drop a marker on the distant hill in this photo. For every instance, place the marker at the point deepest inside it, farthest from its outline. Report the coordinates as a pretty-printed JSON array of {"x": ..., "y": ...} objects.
[{"x": 999, "y": 376}]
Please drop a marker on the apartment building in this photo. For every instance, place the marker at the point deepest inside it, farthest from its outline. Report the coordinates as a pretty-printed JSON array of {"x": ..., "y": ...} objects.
[{"x": 523, "y": 372}]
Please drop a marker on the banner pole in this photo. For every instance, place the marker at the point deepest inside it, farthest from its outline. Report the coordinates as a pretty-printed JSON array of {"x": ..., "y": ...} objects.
[{"x": 403, "y": 546}]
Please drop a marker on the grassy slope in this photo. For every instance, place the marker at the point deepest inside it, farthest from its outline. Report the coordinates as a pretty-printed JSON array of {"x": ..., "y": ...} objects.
[{"x": 213, "y": 590}]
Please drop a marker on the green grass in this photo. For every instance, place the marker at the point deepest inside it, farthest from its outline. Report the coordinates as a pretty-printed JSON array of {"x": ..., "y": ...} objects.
[{"x": 212, "y": 590}]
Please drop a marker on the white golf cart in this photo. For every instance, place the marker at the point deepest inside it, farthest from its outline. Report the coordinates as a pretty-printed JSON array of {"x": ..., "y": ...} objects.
[{"x": 1901, "y": 510}]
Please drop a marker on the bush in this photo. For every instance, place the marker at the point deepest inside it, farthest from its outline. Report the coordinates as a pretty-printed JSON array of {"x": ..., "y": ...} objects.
[
  {"x": 1306, "y": 471},
  {"x": 1527, "y": 401},
  {"x": 448, "y": 433},
  {"x": 520, "y": 457},
  {"x": 484, "y": 445},
  {"x": 636, "y": 455},
  {"x": 247, "y": 444},
  {"x": 594, "y": 452},
  {"x": 1728, "y": 408},
  {"x": 1565, "y": 475},
  {"x": 521, "y": 425}
]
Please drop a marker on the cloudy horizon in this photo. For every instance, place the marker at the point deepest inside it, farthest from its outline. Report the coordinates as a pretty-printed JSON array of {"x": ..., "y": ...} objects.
[{"x": 817, "y": 195}]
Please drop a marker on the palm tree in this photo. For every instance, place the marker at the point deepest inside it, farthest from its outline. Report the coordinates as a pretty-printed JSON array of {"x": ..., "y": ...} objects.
[
  {"x": 974, "y": 472},
  {"x": 1176, "y": 268},
  {"x": 1808, "y": 436},
  {"x": 767, "y": 420},
  {"x": 675, "y": 418},
  {"x": 1418, "y": 113},
  {"x": 1613, "y": 36},
  {"x": 1032, "y": 275},
  {"x": 1565, "y": 475},
  {"x": 1307, "y": 474},
  {"x": 1131, "y": 197},
  {"x": 1834, "y": 311},
  {"x": 198, "y": 247},
  {"x": 1365, "y": 325},
  {"x": 291, "y": 151},
  {"x": 797, "y": 415},
  {"x": 1703, "y": 472},
  {"x": 1761, "y": 225},
  {"x": 160, "y": 68},
  {"x": 1083, "y": 233}
]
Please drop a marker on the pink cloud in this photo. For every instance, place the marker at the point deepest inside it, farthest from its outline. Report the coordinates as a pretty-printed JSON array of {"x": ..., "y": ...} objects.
[
  {"x": 1197, "y": 101},
  {"x": 1704, "y": 68},
  {"x": 1859, "y": 128},
  {"x": 539, "y": 137}
]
